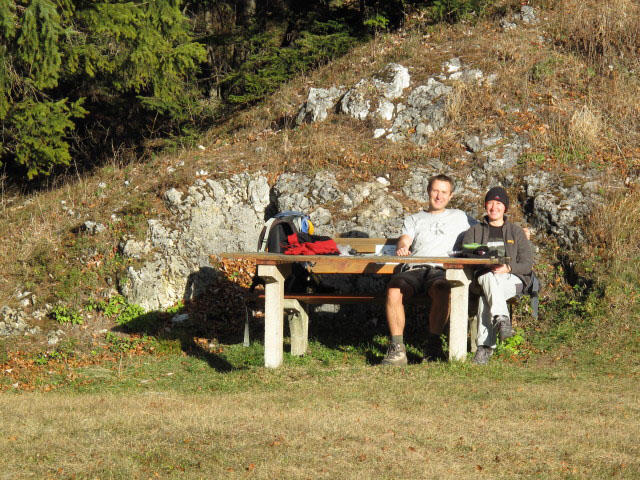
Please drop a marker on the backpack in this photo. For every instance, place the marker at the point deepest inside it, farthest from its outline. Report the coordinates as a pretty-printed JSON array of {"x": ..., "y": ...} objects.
[
  {"x": 278, "y": 228},
  {"x": 533, "y": 289},
  {"x": 273, "y": 235}
]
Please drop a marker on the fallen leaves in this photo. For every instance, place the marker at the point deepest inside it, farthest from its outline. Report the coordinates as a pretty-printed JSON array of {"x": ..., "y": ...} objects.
[{"x": 28, "y": 371}]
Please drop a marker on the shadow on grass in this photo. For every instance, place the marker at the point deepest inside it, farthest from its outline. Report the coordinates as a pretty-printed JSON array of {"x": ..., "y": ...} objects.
[
  {"x": 158, "y": 325},
  {"x": 213, "y": 314},
  {"x": 365, "y": 328}
]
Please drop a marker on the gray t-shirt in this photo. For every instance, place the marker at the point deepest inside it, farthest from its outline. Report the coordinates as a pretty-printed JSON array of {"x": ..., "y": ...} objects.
[{"x": 435, "y": 234}]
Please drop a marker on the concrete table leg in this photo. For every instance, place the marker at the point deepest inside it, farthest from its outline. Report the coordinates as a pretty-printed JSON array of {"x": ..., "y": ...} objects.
[
  {"x": 273, "y": 276},
  {"x": 458, "y": 321}
]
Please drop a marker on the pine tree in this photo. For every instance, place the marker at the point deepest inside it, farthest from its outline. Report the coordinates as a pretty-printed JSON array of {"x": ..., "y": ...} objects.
[{"x": 61, "y": 61}]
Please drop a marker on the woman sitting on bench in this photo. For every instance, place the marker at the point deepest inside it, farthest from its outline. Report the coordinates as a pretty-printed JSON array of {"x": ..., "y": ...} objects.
[{"x": 499, "y": 282}]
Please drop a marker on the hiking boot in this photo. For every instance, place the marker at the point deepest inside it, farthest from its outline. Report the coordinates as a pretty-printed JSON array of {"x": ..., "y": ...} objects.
[
  {"x": 433, "y": 351},
  {"x": 396, "y": 355},
  {"x": 435, "y": 356},
  {"x": 482, "y": 355},
  {"x": 503, "y": 324}
]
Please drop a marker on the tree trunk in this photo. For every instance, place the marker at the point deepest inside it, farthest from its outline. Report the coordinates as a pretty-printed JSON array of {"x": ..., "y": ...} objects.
[{"x": 246, "y": 12}]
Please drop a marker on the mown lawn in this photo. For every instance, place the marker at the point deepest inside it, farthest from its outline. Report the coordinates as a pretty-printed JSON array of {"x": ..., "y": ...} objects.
[{"x": 330, "y": 415}]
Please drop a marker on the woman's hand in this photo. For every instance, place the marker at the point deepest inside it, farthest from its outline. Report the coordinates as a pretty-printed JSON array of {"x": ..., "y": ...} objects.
[
  {"x": 403, "y": 252},
  {"x": 502, "y": 268}
]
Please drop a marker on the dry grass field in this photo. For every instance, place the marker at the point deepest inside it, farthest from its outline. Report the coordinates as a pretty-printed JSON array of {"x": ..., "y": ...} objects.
[{"x": 436, "y": 421}]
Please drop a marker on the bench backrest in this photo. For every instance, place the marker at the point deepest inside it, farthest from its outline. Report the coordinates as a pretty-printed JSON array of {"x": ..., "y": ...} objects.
[{"x": 365, "y": 245}]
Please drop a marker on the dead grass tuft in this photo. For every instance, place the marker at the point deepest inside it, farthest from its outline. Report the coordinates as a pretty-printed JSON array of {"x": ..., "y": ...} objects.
[
  {"x": 585, "y": 127},
  {"x": 611, "y": 256},
  {"x": 456, "y": 101},
  {"x": 618, "y": 98}
]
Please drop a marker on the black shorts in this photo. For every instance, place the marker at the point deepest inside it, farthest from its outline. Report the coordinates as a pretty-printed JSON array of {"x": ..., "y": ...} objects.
[{"x": 421, "y": 278}]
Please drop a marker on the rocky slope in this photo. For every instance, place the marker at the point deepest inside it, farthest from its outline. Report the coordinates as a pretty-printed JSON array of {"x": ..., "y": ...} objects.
[{"x": 170, "y": 261}]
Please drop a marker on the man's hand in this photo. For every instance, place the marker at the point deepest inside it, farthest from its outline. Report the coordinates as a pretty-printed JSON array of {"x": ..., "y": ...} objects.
[
  {"x": 403, "y": 245},
  {"x": 502, "y": 268}
]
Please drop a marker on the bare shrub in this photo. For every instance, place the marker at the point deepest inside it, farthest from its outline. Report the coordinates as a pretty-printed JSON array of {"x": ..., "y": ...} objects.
[
  {"x": 618, "y": 97},
  {"x": 614, "y": 227},
  {"x": 606, "y": 31}
]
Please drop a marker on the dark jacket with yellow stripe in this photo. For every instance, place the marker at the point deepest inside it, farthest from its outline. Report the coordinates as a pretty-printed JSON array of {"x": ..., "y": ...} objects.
[{"x": 517, "y": 247}]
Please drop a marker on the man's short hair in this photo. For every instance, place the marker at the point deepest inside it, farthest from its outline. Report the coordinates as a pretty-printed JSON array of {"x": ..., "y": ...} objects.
[{"x": 443, "y": 178}]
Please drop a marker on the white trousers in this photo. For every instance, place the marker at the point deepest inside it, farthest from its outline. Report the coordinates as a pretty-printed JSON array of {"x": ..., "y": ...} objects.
[{"x": 497, "y": 288}]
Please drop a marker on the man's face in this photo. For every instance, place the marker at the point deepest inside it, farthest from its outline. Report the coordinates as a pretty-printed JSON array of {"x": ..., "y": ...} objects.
[
  {"x": 495, "y": 210},
  {"x": 439, "y": 196}
]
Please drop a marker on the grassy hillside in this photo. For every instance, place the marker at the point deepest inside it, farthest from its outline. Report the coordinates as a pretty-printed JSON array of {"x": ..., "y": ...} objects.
[
  {"x": 565, "y": 83},
  {"x": 192, "y": 402}
]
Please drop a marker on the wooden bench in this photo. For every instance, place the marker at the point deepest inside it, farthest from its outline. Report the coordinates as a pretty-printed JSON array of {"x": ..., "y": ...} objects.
[
  {"x": 296, "y": 307},
  {"x": 274, "y": 268}
]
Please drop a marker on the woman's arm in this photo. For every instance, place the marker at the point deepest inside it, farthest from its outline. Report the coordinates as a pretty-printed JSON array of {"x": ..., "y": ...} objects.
[{"x": 523, "y": 263}]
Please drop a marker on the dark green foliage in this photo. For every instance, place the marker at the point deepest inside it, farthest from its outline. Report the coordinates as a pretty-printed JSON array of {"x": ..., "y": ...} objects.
[
  {"x": 40, "y": 129},
  {"x": 63, "y": 61},
  {"x": 285, "y": 38},
  {"x": 455, "y": 10},
  {"x": 377, "y": 22},
  {"x": 80, "y": 79},
  {"x": 268, "y": 65}
]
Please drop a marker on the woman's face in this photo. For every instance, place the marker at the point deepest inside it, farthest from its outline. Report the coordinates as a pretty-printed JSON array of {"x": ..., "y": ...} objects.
[{"x": 495, "y": 210}]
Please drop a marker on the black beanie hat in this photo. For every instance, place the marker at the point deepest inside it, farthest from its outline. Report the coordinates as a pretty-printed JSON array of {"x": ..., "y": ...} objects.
[{"x": 499, "y": 194}]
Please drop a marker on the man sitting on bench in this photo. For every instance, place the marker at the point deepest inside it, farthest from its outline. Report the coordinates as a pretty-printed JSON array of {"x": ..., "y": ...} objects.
[{"x": 432, "y": 233}]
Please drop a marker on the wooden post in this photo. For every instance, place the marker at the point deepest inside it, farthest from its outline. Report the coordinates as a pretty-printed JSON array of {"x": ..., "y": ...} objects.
[
  {"x": 273, "y": 276},
  {"x": 298, "y": 326},
  {"x": 473, "y": 331},
  {"x": 460, "y": 280}
]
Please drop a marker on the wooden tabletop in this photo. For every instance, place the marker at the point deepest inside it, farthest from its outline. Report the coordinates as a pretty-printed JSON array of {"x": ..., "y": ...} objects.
[{"x": 357, "y": 263}]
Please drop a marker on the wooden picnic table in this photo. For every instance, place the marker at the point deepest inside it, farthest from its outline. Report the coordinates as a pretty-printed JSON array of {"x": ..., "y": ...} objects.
[{"x": 273, "y": 268}]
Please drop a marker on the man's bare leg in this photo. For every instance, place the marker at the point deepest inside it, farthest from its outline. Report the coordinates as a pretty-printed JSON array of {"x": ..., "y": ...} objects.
[
  {"x": 440, "y": 293},
  {"x": 397, "y": 292}
]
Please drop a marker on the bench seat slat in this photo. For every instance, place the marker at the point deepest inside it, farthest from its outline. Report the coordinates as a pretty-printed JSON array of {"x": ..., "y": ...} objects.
[
  {"x": 365, "y": 245},
  {"x": 343, "y": 298}
]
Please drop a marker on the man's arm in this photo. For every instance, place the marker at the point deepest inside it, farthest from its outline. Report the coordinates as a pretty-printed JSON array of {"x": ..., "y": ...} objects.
[{"x": 403, "y": 245}]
